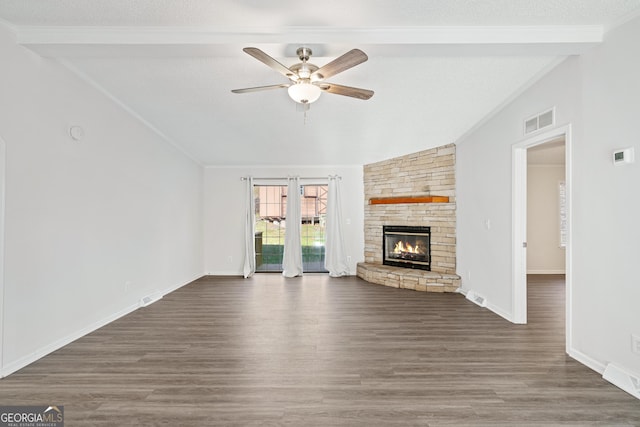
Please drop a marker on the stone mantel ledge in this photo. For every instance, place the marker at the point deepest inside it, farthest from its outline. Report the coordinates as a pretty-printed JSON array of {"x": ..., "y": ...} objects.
[{"x": 407, "y": 278}]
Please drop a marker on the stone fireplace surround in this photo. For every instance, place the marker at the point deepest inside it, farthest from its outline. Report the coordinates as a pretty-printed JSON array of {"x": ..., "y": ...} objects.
[{"x": 426, "y": 173}]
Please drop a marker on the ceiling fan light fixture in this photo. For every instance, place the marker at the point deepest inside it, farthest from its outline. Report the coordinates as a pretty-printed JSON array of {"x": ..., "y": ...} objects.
[{"x": 304, "y": 92}]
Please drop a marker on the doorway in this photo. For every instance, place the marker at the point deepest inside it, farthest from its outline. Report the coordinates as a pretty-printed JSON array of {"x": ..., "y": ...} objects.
[
  {"x": 546, "y": 208},
  {"x": 519, "y": 217}
]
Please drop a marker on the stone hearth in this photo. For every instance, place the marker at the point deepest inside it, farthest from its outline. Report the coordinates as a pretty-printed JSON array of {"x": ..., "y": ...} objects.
[{"x": 406, "y": 278}]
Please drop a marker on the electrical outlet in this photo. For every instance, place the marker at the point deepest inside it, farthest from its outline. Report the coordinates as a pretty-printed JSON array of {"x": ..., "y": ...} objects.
[
  {"x": 469, "y": 275},
  {"x": 349, "y": 258},
  {"x": 127, "y": 286},
  {"x": 229, "y": 259},
  {"x": 635, "y": 343}
]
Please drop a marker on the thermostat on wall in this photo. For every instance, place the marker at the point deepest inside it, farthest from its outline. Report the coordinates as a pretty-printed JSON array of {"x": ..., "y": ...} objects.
[{"x": 623, "y": 155}]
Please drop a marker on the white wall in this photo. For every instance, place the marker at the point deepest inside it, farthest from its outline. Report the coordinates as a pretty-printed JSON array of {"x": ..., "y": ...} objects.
[
  {"x": 483, "y": 178},
  {"x": 544, "y": 253},
  {"x": 598, "y": 94},
  {"x": 224, "y": 209},
  {"x": 607, "y": 203},
  {"x": 91, "y": 226}
]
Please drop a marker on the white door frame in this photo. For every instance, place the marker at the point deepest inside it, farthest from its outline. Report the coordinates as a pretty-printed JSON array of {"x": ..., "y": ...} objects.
[{"x": 519, "y": 222}]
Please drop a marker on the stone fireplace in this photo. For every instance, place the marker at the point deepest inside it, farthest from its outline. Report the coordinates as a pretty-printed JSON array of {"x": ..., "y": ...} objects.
[{"x": 413, "y": 190}]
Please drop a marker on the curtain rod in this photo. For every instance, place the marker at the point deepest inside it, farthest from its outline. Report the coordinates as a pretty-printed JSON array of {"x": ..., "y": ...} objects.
[{"x": 244, "y": 178}]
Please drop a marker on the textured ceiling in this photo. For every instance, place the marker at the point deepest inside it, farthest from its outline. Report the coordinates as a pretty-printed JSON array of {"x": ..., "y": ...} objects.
[
  {"x": 437, "y": 67},
  {"x": 252, "y": 13}
]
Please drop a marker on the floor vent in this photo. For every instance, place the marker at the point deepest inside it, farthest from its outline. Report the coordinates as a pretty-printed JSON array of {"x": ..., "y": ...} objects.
[
  {"x": 150, "y": 299},
  {"x": 539, "y": 121},
  {"x": 620, "y": 378},
  {"x": 476, "y": 299}
]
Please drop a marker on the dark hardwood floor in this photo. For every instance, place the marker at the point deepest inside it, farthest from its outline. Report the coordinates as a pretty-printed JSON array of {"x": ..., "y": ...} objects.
[{"x": 317, "y": 351}]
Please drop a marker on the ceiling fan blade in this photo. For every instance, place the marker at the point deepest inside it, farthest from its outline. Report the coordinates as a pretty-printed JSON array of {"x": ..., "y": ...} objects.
[
  {"x": 260, "y": 88},
  {"x": 353, "y": 92},
  {"x": 269, "y": 61},
  {"x": 340, "y": 64}
]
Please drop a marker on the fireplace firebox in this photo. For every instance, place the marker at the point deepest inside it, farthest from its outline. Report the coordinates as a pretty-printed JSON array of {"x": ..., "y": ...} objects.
[{"x": 406, "y": 246}]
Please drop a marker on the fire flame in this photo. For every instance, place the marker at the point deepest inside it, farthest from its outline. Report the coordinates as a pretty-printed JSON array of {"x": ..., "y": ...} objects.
[{"x": 402, "y": 247}]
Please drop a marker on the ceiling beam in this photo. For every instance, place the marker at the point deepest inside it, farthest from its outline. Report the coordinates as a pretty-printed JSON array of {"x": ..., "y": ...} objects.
[{"x": 560, "y": 39}]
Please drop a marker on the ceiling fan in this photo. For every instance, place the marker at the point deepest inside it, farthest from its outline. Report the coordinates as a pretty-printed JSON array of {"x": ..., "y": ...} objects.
[{"x": 306, "y": 80}]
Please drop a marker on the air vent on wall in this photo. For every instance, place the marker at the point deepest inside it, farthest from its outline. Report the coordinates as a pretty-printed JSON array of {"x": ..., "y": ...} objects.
[
  {"x": 619, "y": 377},
  {"x": 539, "y": 121},
  {"x": 477, "y": 299},
  {"x": 150, "y": 299}
]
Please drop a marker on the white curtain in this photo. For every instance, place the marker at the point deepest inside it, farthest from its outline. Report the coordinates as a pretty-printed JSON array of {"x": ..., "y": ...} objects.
[
  {"x": 335, "y": 258},
  {"x": 249, "y": 230},
  {"x": 292, "y": 257}
]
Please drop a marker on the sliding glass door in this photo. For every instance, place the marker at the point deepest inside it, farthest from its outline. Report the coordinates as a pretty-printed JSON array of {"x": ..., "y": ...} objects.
[
  {"x": 270, "y": 216},
  {"x": 314, "y": 214},
  {"x": 271, "y": 223}
]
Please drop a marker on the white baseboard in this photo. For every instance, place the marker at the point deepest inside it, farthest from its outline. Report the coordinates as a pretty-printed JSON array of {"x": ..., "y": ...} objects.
[
  {"x": 560, "y": 271},
  {"x": 240, "y": 273},
  {"x": 225, "y": 273},
  {"x": 589, "y": 362},
  {"x": 481, "y": 301},
  {"x": 58, "y": 344},
  {"x": 179, "y": 285},
  {"x": 497, "y": 310},
  {"x": 476, "y": 298},
  {"x": 616, "y": 375},
  {"x": 623, "y": 379}
]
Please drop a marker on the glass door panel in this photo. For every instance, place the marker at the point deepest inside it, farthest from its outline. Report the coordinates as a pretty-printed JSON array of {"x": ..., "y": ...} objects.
[{"x": 271, "y": 208}]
